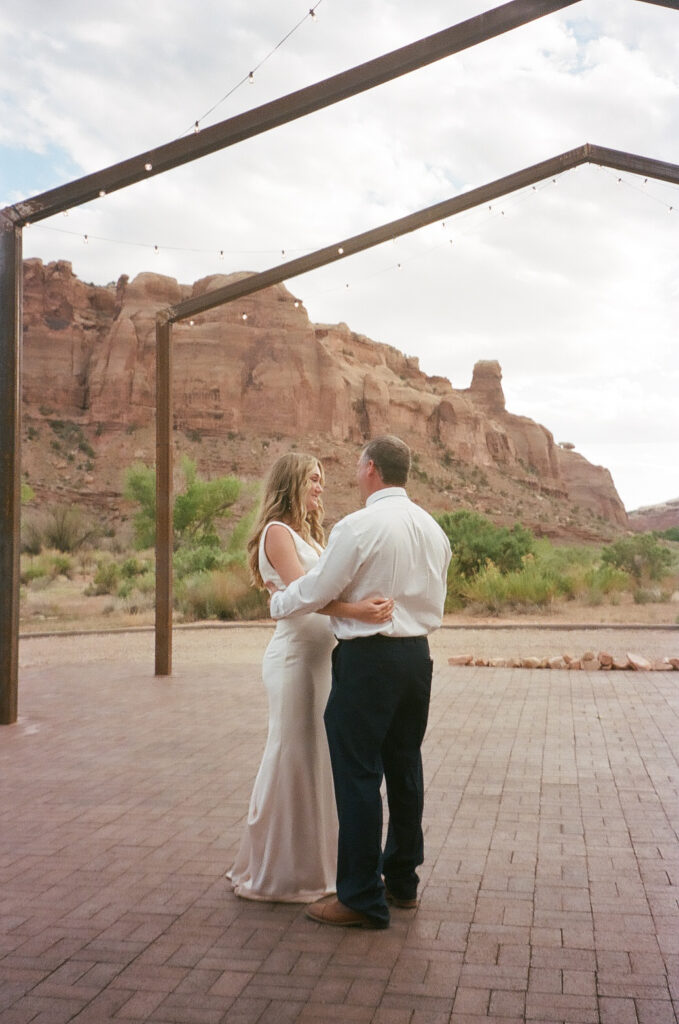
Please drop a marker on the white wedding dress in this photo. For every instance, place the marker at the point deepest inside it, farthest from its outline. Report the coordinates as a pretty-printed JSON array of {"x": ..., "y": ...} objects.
[{"x": 289, "y": 850}]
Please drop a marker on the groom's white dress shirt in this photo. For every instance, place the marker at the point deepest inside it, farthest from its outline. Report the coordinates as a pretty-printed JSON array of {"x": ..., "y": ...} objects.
[{"x": 390, "y": 548}]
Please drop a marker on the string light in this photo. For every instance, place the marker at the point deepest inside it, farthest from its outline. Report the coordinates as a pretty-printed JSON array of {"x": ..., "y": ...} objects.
[
  {"x": 148, "y": 167},
  {"x": 196, "y": 127},
  {"x": 250, "y": 76},
  {"x": 156, "y": 249},
  {"x": 191, "y": 323},
  {"x": 85, "y": 239},
  {"x": 340, "y": 251},
  {"x": 221, "y": 254},
  {"x": 102, "y": 193},
  {"x": 243, "y": 316}
]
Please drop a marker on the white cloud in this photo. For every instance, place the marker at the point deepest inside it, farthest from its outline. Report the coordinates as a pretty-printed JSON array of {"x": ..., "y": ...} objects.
[{"x": 573, "y": 286}]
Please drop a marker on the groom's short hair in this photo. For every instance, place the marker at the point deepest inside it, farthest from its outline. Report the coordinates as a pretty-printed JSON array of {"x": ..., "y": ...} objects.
[{"x": 391, "y": 458}]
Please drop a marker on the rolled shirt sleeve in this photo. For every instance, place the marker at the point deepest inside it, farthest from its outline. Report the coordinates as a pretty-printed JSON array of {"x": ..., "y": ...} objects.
[{"x": 325, "y": 582}]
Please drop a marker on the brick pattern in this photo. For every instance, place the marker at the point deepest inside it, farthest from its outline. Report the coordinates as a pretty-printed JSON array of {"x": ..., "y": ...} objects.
[{"x": 550, "y": 889}]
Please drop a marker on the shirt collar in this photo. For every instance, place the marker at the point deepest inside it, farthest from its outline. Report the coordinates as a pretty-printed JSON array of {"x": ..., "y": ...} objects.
[{"x": 386, "y": 492}]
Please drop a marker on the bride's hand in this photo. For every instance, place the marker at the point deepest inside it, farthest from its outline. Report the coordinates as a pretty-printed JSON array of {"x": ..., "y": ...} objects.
[{"x": 375, "y": 610}]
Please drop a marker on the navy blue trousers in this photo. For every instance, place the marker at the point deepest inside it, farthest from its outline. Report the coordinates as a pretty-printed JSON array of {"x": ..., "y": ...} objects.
[{"x": 375, "y": 721}]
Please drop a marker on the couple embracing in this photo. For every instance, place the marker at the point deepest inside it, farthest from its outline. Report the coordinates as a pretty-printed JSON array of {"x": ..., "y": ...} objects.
[{"x": 348, "y": 677}]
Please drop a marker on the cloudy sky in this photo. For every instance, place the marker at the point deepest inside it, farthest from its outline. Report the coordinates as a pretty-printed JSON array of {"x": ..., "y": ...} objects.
[{"x": 572, "y": 286}]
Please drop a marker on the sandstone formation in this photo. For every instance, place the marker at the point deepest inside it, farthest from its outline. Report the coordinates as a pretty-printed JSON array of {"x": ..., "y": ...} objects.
[
  {"x": 655, "y": 517},
  {"x": 254, "y": 377}
]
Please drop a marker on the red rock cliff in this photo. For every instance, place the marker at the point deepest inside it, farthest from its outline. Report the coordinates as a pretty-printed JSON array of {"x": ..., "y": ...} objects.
[{"x": 89, "y": 356}]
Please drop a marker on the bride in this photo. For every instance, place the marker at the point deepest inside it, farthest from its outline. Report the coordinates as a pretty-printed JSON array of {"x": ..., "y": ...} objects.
[{"x": 288, "y": 852}]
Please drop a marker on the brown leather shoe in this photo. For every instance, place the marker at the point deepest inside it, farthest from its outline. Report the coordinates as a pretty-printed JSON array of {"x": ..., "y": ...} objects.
[
  {"x": 411, "y": 904},
  {"x": 335, "y": 913}
]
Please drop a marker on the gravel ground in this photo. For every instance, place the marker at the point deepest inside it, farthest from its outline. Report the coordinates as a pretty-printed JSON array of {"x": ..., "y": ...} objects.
[{"x": 245, "y": 644}]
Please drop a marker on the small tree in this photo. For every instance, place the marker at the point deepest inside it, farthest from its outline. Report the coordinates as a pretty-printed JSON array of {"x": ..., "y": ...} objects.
[
  {"x": 196, "y": 508},
  {"x": 475, "y": 541},
  {"x": 640, "y": 556}
]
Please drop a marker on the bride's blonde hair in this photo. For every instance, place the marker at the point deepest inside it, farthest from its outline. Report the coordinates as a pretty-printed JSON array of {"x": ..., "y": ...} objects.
[{"x": 284, "y": 498}]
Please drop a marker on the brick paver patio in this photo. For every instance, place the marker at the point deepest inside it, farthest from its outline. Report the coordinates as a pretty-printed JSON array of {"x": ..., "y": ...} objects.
[{"x": 550, "y": 890}]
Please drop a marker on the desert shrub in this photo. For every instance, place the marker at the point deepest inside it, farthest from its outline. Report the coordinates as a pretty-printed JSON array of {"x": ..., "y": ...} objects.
[
  {"x": 189, "y": 561},
  {"x": 672, "y": 533},
  {"x": 31, "y": 536},
  {"x": 106, "y": 580},
  {"x": 146, "y": 584},
  {"x": 132, "y": 567},
  {"x": 475, "y": 541},
  {"x": 125, "y": 588},
  {"x": 65, "y": 528},
  {"x": 603, "y": 580},
  {"x": 225, "y": 594},
  {"x": 48, "y": 565},
  {"x": 651, "y": 595},
  {"x": 641, "y": 556},
  {"x": 35, "y": 570},
  {"x": 494, "y": 591}
]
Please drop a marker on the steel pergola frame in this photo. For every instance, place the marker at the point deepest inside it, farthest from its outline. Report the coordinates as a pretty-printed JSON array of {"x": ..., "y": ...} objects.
[{"x": 180, "y": 151}]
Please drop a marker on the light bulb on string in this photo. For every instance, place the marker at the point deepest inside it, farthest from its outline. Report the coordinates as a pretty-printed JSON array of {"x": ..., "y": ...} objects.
[
  {"x": 85, "y": 239},
  {"x": 196, "y": 127},
  {"x": 340, "y": 251},
  {"x": 102, "y": 193},
  {"x": 297, "y": 303},
  {"x": 221, "y": 254},
  {"x": 243, "y": 316},
  {"x": 312, "y": 14},
  {"x": 251, "y": 78},
  {"x": 148, "y": 167},
  {"x": 65, "y": 213},
  {"x": 191, "y": 323}
]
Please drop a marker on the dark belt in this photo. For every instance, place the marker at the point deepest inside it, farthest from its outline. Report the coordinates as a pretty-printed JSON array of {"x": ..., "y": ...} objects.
[{"x": 380, "y": 638}]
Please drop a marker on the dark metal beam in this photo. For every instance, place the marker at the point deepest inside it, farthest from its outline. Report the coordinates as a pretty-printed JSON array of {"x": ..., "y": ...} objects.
[
  {"x": 632, "y": 163},
  {"x": 343, "y": 248},
  {"x": 394, "y": 229},
  {"x": 287, "y": 108},
  {"x": 164, "y": 525},
  {"x": 672, "y": 4},
  {"x": 11, "y": 272}
]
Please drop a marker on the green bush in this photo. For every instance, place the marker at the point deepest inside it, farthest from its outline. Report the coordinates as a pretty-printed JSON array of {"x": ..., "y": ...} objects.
[
  {"x": 226, "y": 594},
  {"x": 495, "y": 591},
  {"x": 475, "y": 542},
  {"x": 641, "y": 556},
  {"x": 106, "y": 580},
  {"x": 132, "y": 567},
  {"x": 605, "y": 579}
]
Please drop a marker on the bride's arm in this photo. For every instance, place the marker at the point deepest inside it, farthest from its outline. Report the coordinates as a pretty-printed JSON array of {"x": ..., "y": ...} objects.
[{"x": 281, "y": 552}]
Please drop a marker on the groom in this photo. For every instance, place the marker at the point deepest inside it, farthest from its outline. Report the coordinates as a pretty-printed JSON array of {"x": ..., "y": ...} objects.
[{"x": 376, "y": 715}]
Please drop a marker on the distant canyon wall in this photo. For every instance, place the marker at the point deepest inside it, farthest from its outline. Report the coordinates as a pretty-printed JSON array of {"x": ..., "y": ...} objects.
[{"x": 89, "y": 353}]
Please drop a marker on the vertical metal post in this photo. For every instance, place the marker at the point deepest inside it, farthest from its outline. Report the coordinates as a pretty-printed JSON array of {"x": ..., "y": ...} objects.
[
  {"x": 11, "y": 291},
  {"x": 164, "y": 530}
]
